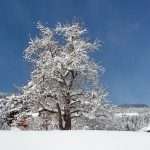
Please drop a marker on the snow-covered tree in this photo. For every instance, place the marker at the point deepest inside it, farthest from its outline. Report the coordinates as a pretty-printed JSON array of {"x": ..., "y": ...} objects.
[
  {"x": 132, "y": 123},
  {"x": 64, "y": 79}
]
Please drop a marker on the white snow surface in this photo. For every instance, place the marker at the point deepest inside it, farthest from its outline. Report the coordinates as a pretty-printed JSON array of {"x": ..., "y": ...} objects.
[
  {"x": 74, "y": 140},
  {"x": 127, "y": 114}
]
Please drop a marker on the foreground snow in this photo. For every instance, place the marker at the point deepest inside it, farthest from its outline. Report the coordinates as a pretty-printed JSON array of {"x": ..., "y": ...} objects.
[{"x": 74, "y": 140}]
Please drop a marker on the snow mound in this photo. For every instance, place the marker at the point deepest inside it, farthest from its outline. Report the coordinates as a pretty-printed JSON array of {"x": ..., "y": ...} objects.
[
  {"x": 146, "y": 129},
  {"x": 74, "y": 140}
]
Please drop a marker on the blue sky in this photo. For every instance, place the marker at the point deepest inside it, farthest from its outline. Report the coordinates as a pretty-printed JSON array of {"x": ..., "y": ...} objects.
[{"x": 123, "y": 26}]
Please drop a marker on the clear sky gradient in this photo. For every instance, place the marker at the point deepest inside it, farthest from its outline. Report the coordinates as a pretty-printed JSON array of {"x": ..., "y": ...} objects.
[{"x": 123, "y": 26}]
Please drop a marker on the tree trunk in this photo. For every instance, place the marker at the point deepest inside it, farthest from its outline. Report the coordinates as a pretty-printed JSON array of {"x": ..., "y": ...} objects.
[
  {"x": 67, "y": 119},
  {"x": 60, "y": 117},
  {"x": 67, "y": 114}
]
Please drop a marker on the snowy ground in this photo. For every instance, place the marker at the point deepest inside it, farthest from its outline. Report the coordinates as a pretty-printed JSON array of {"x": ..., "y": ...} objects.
[{"x": 74, "y": 140}]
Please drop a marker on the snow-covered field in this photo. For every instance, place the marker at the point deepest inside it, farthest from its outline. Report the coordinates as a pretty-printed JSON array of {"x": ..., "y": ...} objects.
[
  {"x": 127, "y": 114},
  {"x": 74, "y": 140}
]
